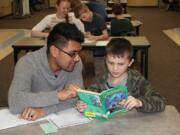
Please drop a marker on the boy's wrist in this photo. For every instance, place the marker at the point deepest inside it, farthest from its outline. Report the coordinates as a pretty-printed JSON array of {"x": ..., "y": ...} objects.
[{"x": 139, "y": 103}]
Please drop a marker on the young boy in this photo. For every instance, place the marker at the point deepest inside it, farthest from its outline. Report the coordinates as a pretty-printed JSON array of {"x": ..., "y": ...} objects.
[
  {"x": 142, "y": 95},
  {"x": 95, "y": 25}
]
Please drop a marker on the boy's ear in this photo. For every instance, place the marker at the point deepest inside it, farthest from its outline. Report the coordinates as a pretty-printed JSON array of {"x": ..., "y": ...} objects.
[{"x": 131, "y": 62}]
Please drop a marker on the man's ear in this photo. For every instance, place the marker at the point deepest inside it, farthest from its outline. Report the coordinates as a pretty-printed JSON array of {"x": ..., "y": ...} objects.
[
  {"x": 131, "y": 62},
  {"x": 54, "y": 51}
]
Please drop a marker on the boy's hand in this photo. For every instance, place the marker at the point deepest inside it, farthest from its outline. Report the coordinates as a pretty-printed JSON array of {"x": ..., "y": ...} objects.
[
  {"x": 132, "y": 102},
  {"x": 90, "y": 37},
  {"x": 81, "y": 106},
  {"x": 32, "y": 114},
  {"x": 87, "y": 34},
  {"x": 68, "y": 92}
]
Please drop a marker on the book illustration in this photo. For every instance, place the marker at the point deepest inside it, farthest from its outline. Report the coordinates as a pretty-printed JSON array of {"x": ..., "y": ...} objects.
[
  {"x": 95, "y": 100},
  {"x": 115, "y": 101},
  {"x": 105, "y": 104}
]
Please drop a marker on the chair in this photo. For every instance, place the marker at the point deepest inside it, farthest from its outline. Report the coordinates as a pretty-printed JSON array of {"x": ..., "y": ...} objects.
[{"x": 171, "y": 4}]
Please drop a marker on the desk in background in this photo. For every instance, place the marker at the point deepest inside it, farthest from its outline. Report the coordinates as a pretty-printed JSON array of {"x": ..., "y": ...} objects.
[
  {"x": 112, "y": 16},
  {"x": 108, "y": 10},
  {"x": 139, "y": 43},
  {"x": 136, "y": 24},
  {"x": 130, "y": 123}
]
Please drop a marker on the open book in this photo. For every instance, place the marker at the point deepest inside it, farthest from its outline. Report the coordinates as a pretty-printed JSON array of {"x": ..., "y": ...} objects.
[{"x": 105, "y": 104}]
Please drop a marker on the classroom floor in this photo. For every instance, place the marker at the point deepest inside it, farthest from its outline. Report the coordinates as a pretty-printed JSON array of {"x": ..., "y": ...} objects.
[{"x": 164, "y": 54}]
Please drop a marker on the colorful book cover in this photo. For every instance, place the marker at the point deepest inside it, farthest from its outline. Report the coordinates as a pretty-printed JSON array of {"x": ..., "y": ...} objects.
[{"x": 105, "y": 104}]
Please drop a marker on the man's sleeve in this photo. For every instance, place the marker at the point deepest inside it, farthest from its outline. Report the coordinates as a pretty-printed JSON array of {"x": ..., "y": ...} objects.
[
  {"x": 60, "y": 107},
  {"x": 20, "y": 94}
]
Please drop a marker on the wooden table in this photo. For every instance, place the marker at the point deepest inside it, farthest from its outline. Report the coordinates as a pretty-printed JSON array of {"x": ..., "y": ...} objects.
[{"x": 112, "y": 16}]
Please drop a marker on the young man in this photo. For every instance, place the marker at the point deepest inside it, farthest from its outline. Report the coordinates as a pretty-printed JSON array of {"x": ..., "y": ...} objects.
[
  {"x": 97, "y": 7},
  {"x": 95, "y": 26},
  {"x": 142, "y": 95},
  {"x": 45, "y": 81},
  {"x": 62, "y": 15}
]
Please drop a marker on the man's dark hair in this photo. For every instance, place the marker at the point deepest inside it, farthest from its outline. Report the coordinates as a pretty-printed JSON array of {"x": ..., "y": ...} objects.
[
  {"x": 62, "y": 33},
  {"x": 117, "y": 9},
  {"x": 119, "y": 47}
]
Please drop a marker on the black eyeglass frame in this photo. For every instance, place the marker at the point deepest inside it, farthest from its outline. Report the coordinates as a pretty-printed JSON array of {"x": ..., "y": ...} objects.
[{"x": 72, "y": 55}]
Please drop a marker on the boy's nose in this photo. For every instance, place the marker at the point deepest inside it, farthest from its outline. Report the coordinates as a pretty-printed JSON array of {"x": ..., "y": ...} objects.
[{"x": 115, "y": 67}]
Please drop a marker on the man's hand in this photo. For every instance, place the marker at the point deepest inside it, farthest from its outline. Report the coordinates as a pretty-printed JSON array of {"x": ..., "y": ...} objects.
[
  {"x": 132, "y": 102},
  {"x": 32, "y": 114},
  {"x": 81, "y": 106},
  {"x": 68, "y": 92}
]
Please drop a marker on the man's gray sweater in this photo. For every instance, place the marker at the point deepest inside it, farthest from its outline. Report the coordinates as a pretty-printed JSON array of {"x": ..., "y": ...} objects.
[{"x": 35, "y": 85}]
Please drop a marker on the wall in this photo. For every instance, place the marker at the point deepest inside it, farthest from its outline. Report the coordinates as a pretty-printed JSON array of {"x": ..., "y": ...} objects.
[
  {"x": 142, "y": 2},
  {"x": 5, "y": 7}
]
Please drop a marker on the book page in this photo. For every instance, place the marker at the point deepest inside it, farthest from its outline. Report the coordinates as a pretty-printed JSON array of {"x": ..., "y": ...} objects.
[
  {"x": 69, "y": 117},
  {"x": 87, "y": 91}
]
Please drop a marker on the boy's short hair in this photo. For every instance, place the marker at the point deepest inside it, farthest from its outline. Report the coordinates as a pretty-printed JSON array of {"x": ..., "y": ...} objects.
[
  {"x": 74, "y": 3},
  {"x": 120, "y": 47},
  {"x": 62, "y": 33},
  {"x": 117, "y": 9},
  {"x": 79, "y": 9}
]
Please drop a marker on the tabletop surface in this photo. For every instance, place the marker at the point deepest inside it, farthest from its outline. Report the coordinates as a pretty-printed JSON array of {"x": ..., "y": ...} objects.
[{"x": 132, "y": 122}]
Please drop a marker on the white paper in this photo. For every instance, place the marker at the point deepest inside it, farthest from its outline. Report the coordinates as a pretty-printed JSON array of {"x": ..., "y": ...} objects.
[
  {"x": 8, "y": 120},
  {"x": 87, "y": 41},
  {"x": 69, "y": 117},
  {"x": 102, "y": 43},
  {"x": 64, "y": 118}
]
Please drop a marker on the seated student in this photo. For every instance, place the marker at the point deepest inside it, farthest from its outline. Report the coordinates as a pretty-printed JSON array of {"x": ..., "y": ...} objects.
[
  {"x": 97, "y": 7},
  {"x": 63, "y": 8},
  {"x": 142, "y": 95},
  {"x": 45, "y": 81},
  {"x": 95, "y": 26},
  {"x": 120, "y": 25}
]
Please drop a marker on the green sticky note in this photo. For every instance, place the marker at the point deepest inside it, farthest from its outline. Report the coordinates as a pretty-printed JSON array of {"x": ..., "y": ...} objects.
[{"x": 49, "y": 128}]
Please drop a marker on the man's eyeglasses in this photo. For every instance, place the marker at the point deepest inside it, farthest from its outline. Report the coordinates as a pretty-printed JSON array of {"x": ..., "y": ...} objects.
[{"x": 71, "y": 54}]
